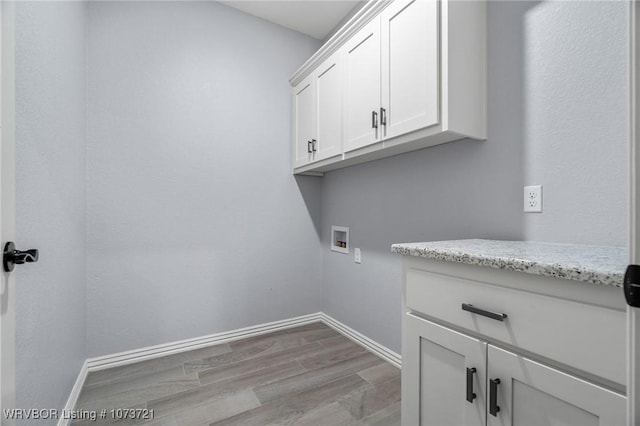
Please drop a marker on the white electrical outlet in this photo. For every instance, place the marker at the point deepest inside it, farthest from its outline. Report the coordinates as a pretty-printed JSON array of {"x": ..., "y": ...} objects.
[
  {"x": 357, "y": 256},
  {"x": 533, "y": 199}
]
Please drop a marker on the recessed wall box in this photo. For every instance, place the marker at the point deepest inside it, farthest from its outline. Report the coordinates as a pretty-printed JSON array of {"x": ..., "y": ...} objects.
[{"x": 340, "y": 239}]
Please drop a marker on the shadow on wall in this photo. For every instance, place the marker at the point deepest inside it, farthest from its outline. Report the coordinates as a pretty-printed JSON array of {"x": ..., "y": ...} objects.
[
  {"x": 506, "y": 100},
  {"x": 310, "y": 187}
]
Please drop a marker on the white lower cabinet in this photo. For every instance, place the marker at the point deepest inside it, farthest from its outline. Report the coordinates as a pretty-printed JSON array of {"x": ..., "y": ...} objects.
[
  {"x": 530, "y": 393},
  {"x": 451, "y": 378},
  {"x": 435, "y": 364}
]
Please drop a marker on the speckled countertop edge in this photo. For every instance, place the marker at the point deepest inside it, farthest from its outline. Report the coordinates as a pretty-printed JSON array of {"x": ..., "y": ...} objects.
[{"x": 602, "y": 265}]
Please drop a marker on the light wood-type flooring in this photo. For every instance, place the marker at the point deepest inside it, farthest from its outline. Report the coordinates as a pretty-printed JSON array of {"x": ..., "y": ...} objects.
[{"x": 308, "y": 375}]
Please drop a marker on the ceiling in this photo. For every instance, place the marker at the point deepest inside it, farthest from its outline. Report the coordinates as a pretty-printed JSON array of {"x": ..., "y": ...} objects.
[{"x": 315, "y": 18}]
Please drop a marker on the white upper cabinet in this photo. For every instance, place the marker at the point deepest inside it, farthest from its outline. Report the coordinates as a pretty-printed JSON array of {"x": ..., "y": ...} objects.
[
  {"x": 412, "y": 75},
  {"x": 410, "y": 66},
  {"x": 303, "y": 125},
  {"x": 392, "y": 74},
  {"x": 318, "y": 114},
  {"x": 361, "y": 59},
  {"x": 328, "y": 80}
]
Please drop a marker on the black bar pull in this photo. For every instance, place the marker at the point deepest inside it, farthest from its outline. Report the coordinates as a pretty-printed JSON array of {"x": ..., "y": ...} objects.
[
  {"x": 493, "y": 397},
  {"x": 493, "y": 315},
  {"x": 470, "y": 395},
  {"x": 374, "y": 119},
  {"x": 313, "y": 145},
  {"x": 309, "y": 147},
  {"x": 383, "y": 116},
  {"x": 632, "y": 285}
]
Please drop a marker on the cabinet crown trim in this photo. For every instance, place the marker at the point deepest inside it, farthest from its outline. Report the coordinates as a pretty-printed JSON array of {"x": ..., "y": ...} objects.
[{"x": 359, "y": 20}]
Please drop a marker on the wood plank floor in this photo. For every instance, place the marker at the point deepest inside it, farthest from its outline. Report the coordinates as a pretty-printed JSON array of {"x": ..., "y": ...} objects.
[{"x": 309, "y": 375}]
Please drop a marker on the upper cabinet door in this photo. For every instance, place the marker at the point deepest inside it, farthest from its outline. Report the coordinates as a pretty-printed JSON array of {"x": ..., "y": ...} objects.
[
  {"x": 410, "y": 65},
  {"x": 304, "y": 123},
  {"x": 530, "y": 393},
  {"x": 361, "y": 60},
  {"x": 328, "y": 81}
]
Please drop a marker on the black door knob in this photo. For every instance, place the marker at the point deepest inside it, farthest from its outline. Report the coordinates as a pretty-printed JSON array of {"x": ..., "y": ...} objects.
[
  {"x": 12, "y": 257},
  {"x": 632, "y": 285}
]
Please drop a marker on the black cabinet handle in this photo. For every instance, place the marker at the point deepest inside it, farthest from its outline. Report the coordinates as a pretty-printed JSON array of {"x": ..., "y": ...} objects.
[
  {"x": 313, "y": 145},
  {"x": 493, "y": 397},
  {"x": 493, "y": 315},
  {"x": 470, "y": 395},
  {"x": 374, "y": 119},
  {"x": 383, "y": 116},
  {"x": 309, "y": 147}
]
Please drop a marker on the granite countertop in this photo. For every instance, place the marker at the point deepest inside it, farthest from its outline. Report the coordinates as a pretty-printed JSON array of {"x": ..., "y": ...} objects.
[{"x": 602, "y": 265}]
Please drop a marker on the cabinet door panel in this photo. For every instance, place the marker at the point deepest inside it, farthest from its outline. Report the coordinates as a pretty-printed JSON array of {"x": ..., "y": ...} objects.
[
  {"x": 361, "y": 59},
  {"x": 329, "y": 109},
  {"x": 434, "y": 375},
  {"x": 304, "y": 123},
  {"x": 410, "y": 65},
  {"x": 530, "y": 393}
]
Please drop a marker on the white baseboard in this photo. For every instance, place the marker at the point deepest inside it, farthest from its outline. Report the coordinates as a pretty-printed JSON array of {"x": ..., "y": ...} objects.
[
  {"x": 371, "y": 345},
  {"x": 150, "y": 352},
  {"x": 75, "y": 393}
]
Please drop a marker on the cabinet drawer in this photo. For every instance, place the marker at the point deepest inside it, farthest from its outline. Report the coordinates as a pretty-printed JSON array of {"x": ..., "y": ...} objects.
[{"x": 586, "y": 337}]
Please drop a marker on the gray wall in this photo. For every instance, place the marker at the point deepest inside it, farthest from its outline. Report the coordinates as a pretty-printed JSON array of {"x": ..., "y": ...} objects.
[
  {"x": 575, "y": 133},
  {"x": 195, "y": 223},
  {"x": 557, "y": 117},
  {"x": 50, "y": 200}
]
